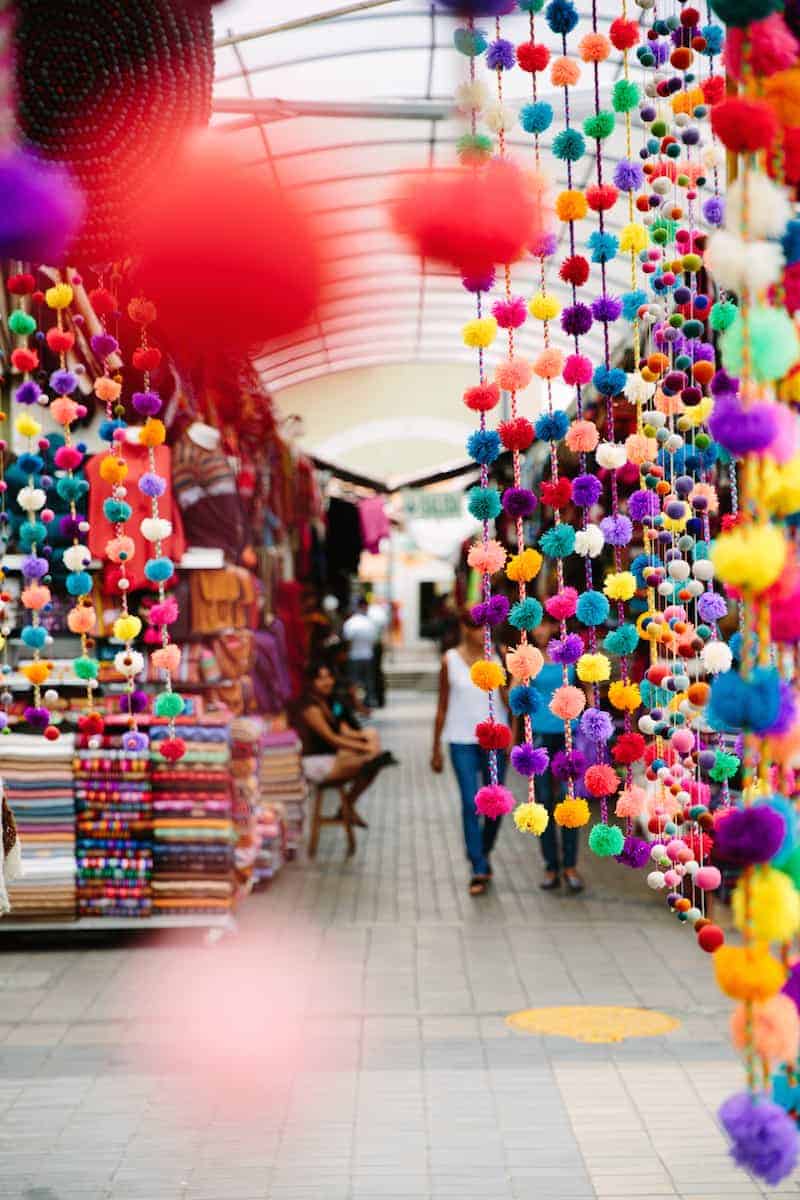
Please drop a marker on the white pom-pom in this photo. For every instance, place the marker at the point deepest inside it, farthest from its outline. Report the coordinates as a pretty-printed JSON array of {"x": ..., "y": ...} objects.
[
  {"x": 472, "y": 96},
  {"x": 703, "y": 568},
  {"x": 638, "y": 390},
  {"x": 611, "y": 456},
  {"x": 736, "y": 264},
  {"x": 31, "y": 499},
  {"x": 129, "y": 663},
  {"x": 647, "y": 726},
  {"x": 712, "y": 156},
  {"x": 655, "y": 880},
  {"x": 76, "y": 558},
  {"x": 716, "y": 657},
  {"x": 499, "y": 117},
  {"x": 155, "y": 528},
  {"x": 589, "y": 542},
  {"x": 768, "y": 208},
  {"x": 694, "y": 587},
  {"x": 678, "y": 569},
  {"x": 657, "y": 851}
]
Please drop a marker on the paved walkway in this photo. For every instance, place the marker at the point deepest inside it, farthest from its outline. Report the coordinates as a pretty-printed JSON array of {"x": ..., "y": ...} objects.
[{"x": 350, "y": 1043}]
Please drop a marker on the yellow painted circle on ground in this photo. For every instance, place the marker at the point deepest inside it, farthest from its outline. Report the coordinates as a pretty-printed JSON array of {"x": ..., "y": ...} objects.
[{"x": 589, "y": 1023}]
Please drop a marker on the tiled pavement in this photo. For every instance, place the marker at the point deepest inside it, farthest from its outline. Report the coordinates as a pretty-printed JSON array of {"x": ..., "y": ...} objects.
[{"x": 352, "y": 1042}]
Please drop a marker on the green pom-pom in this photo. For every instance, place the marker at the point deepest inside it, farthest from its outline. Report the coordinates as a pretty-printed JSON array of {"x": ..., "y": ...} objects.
[
  {"x": 474, "y": 145},
  {"x": 21, "y": 323},
  {"x": 722, "y": 315},
  {"x": 169, "y": 704},
  {"x": 526, "y": 614},
  {"x": 606, "y": 840},
  {"x": 790, "y": 866},
  {"x": 625, "y": 96},
  {"x": 662, "y": 225},
  {"x": 85, "y": 668},
  {"x": 725, "y": 766},
  {"x": 599, "y": 126},
  {"x": 531, "y": 6},
  {"x": 773, "y": 342},
  {"x": 484, "y": 503},
  {"x": 470, "y": 42}
]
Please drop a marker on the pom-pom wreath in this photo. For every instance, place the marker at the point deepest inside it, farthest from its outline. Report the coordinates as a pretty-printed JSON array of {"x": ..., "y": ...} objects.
[
  {"x": 519, "y": 502},
  {"x": 526, "y": 614},
  {"x": 531, "y": 817},
  {"x": 764, "y": 1138},
  {"x": 606, "y": 840},
  {"x": 593, "y": 608},
  {"x": 565, "y": 650},
  {"x": 748, "y": 836},
  {"x": 562, "y": 605},
  {"x": 774, "y": 905},
  {"x": 484, "y": 503},
  {"x": 487, "y": 675},
  {"x": 569, "y": 145},
  {"x": 484, "y": 446},
  {"x": 750, "y": 557},
  {"x": 523, "y": 699},
  {"x": 748, "y": 972},
  {"x": 513, "y": 374},
  {"x": 593, "y": 668},
  {"x": 524, "y": 662},
  {"x": 524, "y": 567},
  {"x": 469, "y": 219},
  {"x": 536, "y": 117},
  {"x": 487, "y": 559},
  {"x": 567, "y": 702},
  {"x": 530, "y": 760},
  {"x": 572, "y": 814},
  {"x": 558, "y": 541},
  {"x": 775, "y": 1031},
  {"x": 551, "y": 427},
  {"x": 493, "y": 736},
  {"x": 772, "y": 341},
  {"x": 494, "y": 801},
  {"x": 744, "y": 126}
]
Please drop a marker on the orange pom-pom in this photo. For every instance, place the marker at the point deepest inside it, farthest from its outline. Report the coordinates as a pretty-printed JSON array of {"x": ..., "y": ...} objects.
[
  {"x": 640, "y": 449},
  {"x": 513, "y": 374},
  {"x": 82, "y": 619},
  {"x": 63, "y": 410},
  {"x": 107, "y": 390},
  {"x": 525, "y": 662},
  {"x": 564, "y": 72},
  {"x": 567, "y": 702},
  {"x": 775, "y": 1029},
  {"x": 549, "y": 364},
  {"x": 571, "y": 206},
  {"x": 594, "y": 47}
]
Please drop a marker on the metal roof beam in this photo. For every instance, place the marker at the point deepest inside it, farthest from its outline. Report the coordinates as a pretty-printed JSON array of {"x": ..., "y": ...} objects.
[{"x": 276, "y": 110}]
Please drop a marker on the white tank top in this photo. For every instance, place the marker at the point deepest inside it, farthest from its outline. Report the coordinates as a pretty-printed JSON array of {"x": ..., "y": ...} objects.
[{"x": 467, "y": 704}]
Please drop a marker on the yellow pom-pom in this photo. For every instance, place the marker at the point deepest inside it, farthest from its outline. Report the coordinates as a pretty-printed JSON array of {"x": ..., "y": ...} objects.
[
  {"x": 480, "y": 332},
  {"x": 620, "y": 585},
  {"x": 780, "y": 486},
  {"x": 127, "y": 629},
  {"x": 750, "y": 557},
  {"x": 748, "y": 972},
  {"x": 543, "y": 307},
  {"x": 634, "y": 237},
  {"x": 625, "y": 696},
  {"x": 676, "y": 524},
  {"x": 487, "y": 675},
  {"x": 531, "y": 818},
  {"x": 524, "y": 567},
  {"x": 572, "y": 813},
  {"x": 152, "y": 433},
  {"x": 59, "y": 296},
  {"x": 698, "y": 414},
  {"x": 27, "y": 426},
  {"x": 687, "y": 102},
  {"x": 36, "y": 672},
  {"x": 774, "y": 905},
  {"x": 113, "y": 469},
  {"x": 593, "y": 668},
  {"x": 571, "y": 206}
]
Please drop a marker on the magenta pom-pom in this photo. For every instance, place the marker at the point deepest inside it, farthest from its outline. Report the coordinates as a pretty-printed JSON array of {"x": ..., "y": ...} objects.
[
  {"x": 577, "y": 369},
  {"x": 494, "y": 800},
  {"x": 510, "y": 314}
]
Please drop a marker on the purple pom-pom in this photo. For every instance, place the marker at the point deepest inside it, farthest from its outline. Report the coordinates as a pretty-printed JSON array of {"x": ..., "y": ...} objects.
[
  {"x": 63, "y": 382},
  {"x": 544, "y": 245},
  {"x": 151, "y": 484},
  {"x": 478, "y": 8},
  {"x": 34, "y": 567},
  {"x": 607, "y": 309},
  {"x": 38, "y": 718},
  {"x": 711, "y": 606},
  {"x": 576, "y": 319},
  {"x": 586, "y": 490},
  {"x": 714, "y": 210},
  {"x": 41, "y": 208},
  {"x": 479, "y": 283},
  {"x": 722, "y": 382},
  {"x": 136, "y": 702},
  {"x": 596, "y": 724},
  {"x": 519, "y": 502},
  {"x": 568, "y": 764},
  {"x": 28, "y": 392},
  {"x": 617, "y": 530},
  {"x": 642, "y": 504},
  {"x": 764, "y": 1137},
  {"x": 135, "y": 742},
  {"x": 635, "y": 853},
  {"x": 742, "y": 430},
  {"x": 749, "y": 835},
  {"x": 792, "y": 986},
  {"x": 490, "y": 612},
  {"x": 628, "y": 176},
  {"x": 501, "y": 55},
  {"x": 69, "y": 527},
  {"x": 565, "y": 650},
  {"x": 147, "y": 403},
  {"x": 103, "y": 344},
  {"x": 529, "y": 760}
]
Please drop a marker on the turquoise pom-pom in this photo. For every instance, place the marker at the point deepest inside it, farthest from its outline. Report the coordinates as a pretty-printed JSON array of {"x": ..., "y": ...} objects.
[
  {"x": 722, "y": 315},
  {"x": 117, "y": 511},
  {"x": 159, "y": 570},
  {"x": 787, "y": 810},
  {"x": 109, "y": 428},
  {"x": 632, "y": 302},
  {"x": 484, "y": 503},
  {"x": 715, "y": 39},
  {"x": 773, "y": 344},
  {"x": 470, "y": 42},
  {"x": 34, "y": 636},
  {"x": 725, "y": 766},
  {"x": 558, "y": 541},
  {"x": 593, "y": 608},
  {"x": 86, "y": 668},
  {"x": 623, "y": 640},
  {"x": 606, "y": 840},
  {"x": 169, "y": 704},
  {"x": 484, "y": 446},
  {"x": 531, "y": 6},
  {"x": 599, "y": 125},
  {"x": 31, "y": 533},
  {"x": 552, "y": 427},
  {"x": 79, "y": 583},
  {"x": 71, "y": 489},
  {"x": 744, "y": 704},
  {"x": 626, "y": 96},
  {"x": 536, "y": 117},
  {"x": 569, "y": 145},
  {"x": 526, "y": 614},
  {"x": 603, "y": 246},
  {"x": 524, "y": 699}
]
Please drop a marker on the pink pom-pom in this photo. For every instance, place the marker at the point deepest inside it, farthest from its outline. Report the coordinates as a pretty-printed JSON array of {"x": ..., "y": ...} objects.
[
  {"x": 771, "y": 1027},
  {"x": 771, "y": 47},
  {"x": 487, "y": 559},
  {"x": 577, "y": 369},
  {"x": 672, "y": 878},
  {"x": 682, "y": 740},
  {"x": 549, "y": 364},
  {"x": 64, "y": 410},
  {"x": 708, "y": 879},
  {"x": 510, "y": 314},
  {"x": 525, "y": 662},
  {"x": 601, "y": 780},
  {"x": 513, "y": 374},
  {"x": 567, "y": 703},
  {"x": 582, "y": 437},
  {"x": 631, "y": 802},
  {"x": 494, "y": 800},
  {"x": 640, "y": 449},
  {"x": 562, "y": 606},
  {"x": 67, "y": 458}
]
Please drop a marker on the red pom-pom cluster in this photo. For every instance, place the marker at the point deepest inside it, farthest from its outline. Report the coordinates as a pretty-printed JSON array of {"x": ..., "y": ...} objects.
[
  {"x": 532, "y": 56},
  {"x": 624, "y": 34},
  {"x": 492, "y": 736},
  {"x": 601, "y": 196},
  {"x": 744, "y": 126},
  {"x": 557, "y": 492},
  {"x": 575, "y": 270},
  {"x": 20, "y": 285},
  {"x": 91, "y": 724},
  {"x": 628, "y": 748},
  {"x": 482, "y": 397},
  {"x": 516, "y": 434},
  {"x": 713, "y": 89},
  {"x": 601, "y": 780}
]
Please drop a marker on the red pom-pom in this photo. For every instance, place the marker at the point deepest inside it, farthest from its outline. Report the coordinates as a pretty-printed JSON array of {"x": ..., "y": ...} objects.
[
  {"x": 24, "y": 359},
  {"x": 601, "y": 780},
  {"x": 147, "y": 358},
  {"x": 482, "y": 397},
  {"x": 601, "y": 196},
  {"x": 20, "y": 285},
  {"x": 60, "y": 341},
  {"x": 791, "y": 156},
  {"x": 690, "y": 17},
  {"x": 102, "y": 302},
  {"x": 172, "y": 748},
  {"x": 575, "y": 270},
  {"x": 628, "y": 748},
  {"x": 244, "y": 232},
  {"x": 492, "y": 736},
  {"x": 516, "y": 434},
  {"x": 700, "y": 844},
  {"x": 532, "y": 56},
  {"x": 624, "y": 34},
  {"x": 710, "y": 938},
  {"x": 472, "y": 220},
  {"x": 713, "y": 89},
  {"x": 91, "y": 723},
  {"x": 557, "y": 493},
  {"x": 730, "y": 521},
  {"x": 52, "y": 733}
]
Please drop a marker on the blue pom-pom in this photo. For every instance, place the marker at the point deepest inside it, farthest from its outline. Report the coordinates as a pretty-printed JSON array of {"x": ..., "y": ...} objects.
[
  {"x": 715, "y": 39},
  {"x": 791, "y": 241},
  {"x": 749, "y": 704},
  {"x": 632, "y": 302},
  {"x": 526, "y": 614},
  {"x": 159, "y": 570},
  {"x": 484, "y": 503},
  {"x": 79, "y": 583},
  {"x": 609, "y": 381},
  {"x": 484, "y": 446},
  {"x": 561, "y": 16},
  {"x": 109, "y": 428},
  {"x": 552, "y": 427},
  {"x": 523, "y": 700},
  {"x": 736, "y": 645},
  {"x": 558, "y": 541},
  {"x": 536, "y": 117},
  {"x": 593, "y": 608},
  {"x": 603, "y": 246},
  {"x": 623, "y": 640},
  {"x": 117, "y": 511},
  {"x": 569, "y": 145},
  {"x": 30, "y": 464},
  {"x": 70, "y": 488},
  {"x": 34, "y": 636}
]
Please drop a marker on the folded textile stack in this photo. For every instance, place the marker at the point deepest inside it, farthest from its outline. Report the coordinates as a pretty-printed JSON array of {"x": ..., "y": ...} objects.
[
  {"x": 282, "y": 783},
  {"x": 246, "y": 735},
  {"x": 37, "y": 776},
  {"x": 193, "y": 833},
  {"x": 114, "y": 828},
  {"x": 271, "y": 843}
]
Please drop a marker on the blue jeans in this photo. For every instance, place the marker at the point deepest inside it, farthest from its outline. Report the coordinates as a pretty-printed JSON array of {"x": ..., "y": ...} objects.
[
  {"x": 471, "y": 765},
  {"x": 549, "y": 792}
]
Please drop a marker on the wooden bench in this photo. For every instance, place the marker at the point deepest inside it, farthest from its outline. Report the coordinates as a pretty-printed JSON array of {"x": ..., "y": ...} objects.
[{"x": 318, "y": 819}]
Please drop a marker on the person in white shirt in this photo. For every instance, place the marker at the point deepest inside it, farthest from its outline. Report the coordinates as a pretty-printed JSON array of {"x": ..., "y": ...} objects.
[
  {"x": 378, "y": 612},
  {"x": 361, "y": 634}
]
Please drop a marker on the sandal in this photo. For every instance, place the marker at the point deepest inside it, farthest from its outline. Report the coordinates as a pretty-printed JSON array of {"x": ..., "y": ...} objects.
[
  {"x": 551, "y": 882},
  {"x": 478, "y": 885},
  {"x": 574, "y": 882}
]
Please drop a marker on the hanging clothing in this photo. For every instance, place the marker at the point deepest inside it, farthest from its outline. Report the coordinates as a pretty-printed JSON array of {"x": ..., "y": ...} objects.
[
  {"x": 204, "y": 484},
  {"x": 343, "y": 542},
  {"x": 374, "y": 522}
]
